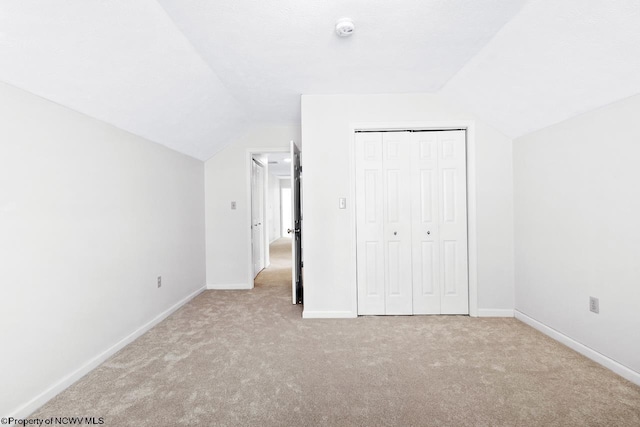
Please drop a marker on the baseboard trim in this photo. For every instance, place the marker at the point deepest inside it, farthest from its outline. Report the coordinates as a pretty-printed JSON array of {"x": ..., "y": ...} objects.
[
  {"x": 495, "y": 312},
  {"x": 228, "y": 287},
  {"x": 592, "y": 354},
  {"x": 30, "y": 407},
  {"x": 306, "y": 314}
]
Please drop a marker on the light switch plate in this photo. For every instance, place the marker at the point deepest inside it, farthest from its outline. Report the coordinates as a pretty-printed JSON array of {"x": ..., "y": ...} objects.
[
  {"x": 233, "y": 206},
  {"x": 342, "y": 203}
]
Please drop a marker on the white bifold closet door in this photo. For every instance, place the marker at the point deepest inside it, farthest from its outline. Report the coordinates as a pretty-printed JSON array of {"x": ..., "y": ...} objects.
[{"x": 411, "y": 222}]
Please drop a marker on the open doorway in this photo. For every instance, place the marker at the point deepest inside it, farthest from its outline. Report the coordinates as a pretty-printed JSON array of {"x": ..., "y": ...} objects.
[
  {"x": 285, "y": 204},
  {"x": 271, "y": 218}
]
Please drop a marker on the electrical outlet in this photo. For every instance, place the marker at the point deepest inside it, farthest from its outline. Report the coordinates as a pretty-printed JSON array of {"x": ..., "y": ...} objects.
[
  {"x": 159, "y": 281},
  {"x": 594, "y": 304}
]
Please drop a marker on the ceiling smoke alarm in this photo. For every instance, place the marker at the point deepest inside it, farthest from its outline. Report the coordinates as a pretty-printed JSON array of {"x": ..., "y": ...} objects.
[{"x": 345, "y": 27}]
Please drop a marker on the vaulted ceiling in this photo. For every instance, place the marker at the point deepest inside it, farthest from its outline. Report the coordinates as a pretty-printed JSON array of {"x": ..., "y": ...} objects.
[{"x": 194, "y": 75}]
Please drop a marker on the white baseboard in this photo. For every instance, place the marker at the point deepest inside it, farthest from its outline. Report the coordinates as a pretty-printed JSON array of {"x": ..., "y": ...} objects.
[
  {"x": 30, "y": 407},
  {"x": 229, "y": 287},
  {"x": 483, "y": 312},
  {"x": 306, "y": 314},
  {"x": 592, "y": 354},
  {"x": 495, "y": 312}
]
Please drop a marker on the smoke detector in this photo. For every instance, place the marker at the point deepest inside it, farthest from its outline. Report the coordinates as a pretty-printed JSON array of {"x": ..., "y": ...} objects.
[{"x": 345, "y": 27}]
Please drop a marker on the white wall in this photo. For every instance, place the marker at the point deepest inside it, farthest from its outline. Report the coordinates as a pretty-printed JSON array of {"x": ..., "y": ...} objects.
[
  {"x": 228, "y": 231},
  {"x": 329, "y": 233},
  {"x": 577, "y": 229},
  {"x": 285, "y": 206},
  {"x": 285, "y": 183},
  {"x": 89, "y": 216},
  {"x": 273, "y": 207}
]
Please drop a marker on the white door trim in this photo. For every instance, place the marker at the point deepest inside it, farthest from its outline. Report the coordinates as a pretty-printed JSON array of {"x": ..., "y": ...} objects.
[
  {"x": 469, "y": 127},
  {"x": 250, "y": 152},
  {"x": 260, "y": 165}
]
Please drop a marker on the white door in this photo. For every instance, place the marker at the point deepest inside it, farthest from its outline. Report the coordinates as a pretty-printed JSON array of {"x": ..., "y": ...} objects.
[
  {"x": 411, "y": 222},
  {"x": 439, "y": 223},
  {"x": 383, "y": 211},
  {"x": 370, "y": 223},
  {"x": 424, "y": 223},
  {"x": 452, "y": 197},
  {"x": 396, "y": 161},
  {"x": 257, "y": 216}
]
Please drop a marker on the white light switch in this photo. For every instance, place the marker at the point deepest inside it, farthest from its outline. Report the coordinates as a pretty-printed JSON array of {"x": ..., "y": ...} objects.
[
  {"x": 342, "y": 203},
  {"x": 233, "y": 205}
]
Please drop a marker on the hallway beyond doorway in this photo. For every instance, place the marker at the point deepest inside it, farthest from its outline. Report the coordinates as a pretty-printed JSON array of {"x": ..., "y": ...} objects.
[{"x": 278, "y": 273}]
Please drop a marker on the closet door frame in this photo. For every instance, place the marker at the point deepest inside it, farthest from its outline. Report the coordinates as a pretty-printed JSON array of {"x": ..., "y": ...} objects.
[{"x": 469, "y": 127}]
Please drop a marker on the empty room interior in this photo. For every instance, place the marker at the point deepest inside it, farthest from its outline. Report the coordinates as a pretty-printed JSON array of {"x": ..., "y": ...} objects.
[{"x": 338, "y": 213}]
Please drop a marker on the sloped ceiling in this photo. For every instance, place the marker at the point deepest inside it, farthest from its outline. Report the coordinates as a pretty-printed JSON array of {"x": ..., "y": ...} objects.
[
  {"x": 552, "y": 61},
  {"x": 123, "y": 62},
  {"x": 194, "y": 75},
  {"x": 269, "y": 52}
]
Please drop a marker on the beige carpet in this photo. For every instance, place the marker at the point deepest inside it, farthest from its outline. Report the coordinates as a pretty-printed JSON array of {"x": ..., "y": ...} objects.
[{"x": 246, "y": 358}]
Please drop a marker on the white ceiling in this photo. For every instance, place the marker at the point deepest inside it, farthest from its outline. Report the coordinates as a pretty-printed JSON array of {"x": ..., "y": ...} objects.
[
  {"x": 268, "y": 53},
  {"x": 123, "y": 62},
  {"x": 277, "y": 164},
  {"x": 552, "y": 61},
  {"x": 194, "y": 75}
]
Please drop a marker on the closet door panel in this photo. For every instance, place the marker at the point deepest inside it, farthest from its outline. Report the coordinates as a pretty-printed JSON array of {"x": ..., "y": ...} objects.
[
  {"x": 397, "y": 225},
  {"x": 454, "y": 281},
  {"x": 424, "y": 223},
  {"x": 370, "y": 224}
]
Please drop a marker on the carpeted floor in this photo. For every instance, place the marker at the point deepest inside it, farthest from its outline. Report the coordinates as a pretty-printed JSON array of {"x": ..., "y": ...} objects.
[{"x": 246, "y": 358}]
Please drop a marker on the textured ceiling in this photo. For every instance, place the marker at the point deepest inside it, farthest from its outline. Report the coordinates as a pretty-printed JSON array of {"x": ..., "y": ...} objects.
[{"x": 194, "y": 75}]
